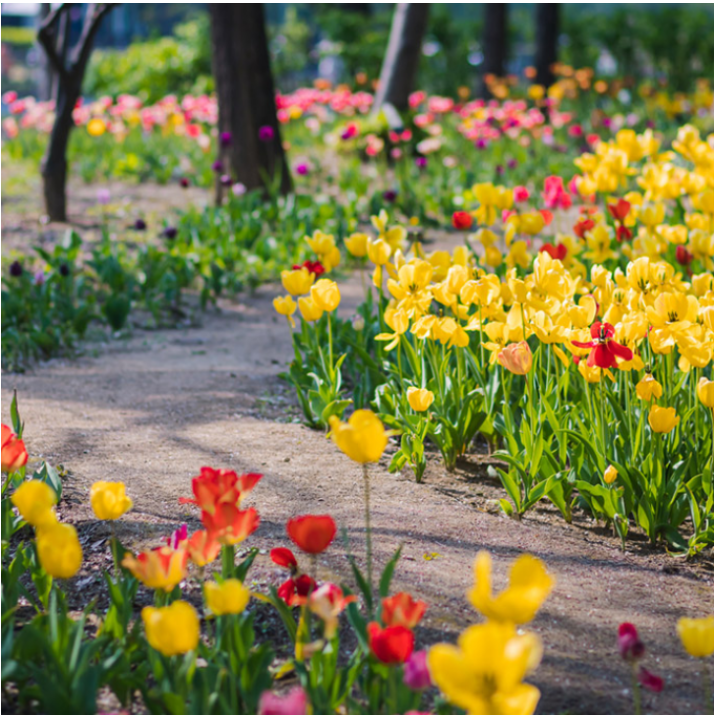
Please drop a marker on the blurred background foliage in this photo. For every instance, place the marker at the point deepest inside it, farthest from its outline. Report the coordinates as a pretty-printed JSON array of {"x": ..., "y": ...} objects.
[{"x": 168, "y": 50}]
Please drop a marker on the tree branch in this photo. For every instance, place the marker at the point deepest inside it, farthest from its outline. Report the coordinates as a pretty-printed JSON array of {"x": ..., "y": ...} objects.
[
  {"x": 92, "y": 21},
  {"x": 46, "y": 37}
]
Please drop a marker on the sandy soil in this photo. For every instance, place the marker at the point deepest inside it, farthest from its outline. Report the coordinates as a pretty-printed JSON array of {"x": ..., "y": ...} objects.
[{"x": 152, "y": 409}]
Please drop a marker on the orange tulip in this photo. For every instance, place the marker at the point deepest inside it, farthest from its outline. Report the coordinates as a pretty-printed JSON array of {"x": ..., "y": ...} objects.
[
  {"x": 162, "y": 568},
  {"x": 516, "y": 358},
  {"x": 202, "y": 548},
  {"x": 14, "y": 454},
  {"x": 402, "y": 610},
  {"x": 229, "y": 525},
  {"x": 219, "y": 486}
]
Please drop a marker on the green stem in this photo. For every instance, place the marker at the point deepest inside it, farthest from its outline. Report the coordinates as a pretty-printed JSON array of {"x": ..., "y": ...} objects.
[
  {"x": 706, "y": 686},
  {"x": 367, "y": 524},
  {"x": 228, "y": 558},
  {"x": 636, "y": 693}
]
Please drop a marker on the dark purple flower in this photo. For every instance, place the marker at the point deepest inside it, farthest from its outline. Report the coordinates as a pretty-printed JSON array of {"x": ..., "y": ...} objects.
[
  {"x": 225, "y": 139},
  {"x": 39, "y": 278},
  {"x": 226, "y": 180},
  {"x": 185, "y": 183},
  {"x": 389, "y": 196},
  {"x": 217, "y": 166},
  {"x": 650, "y": 680},
  {"x": 512, "y": 163},
  {"x": 266, "y": 133},
  {"x": 650, "y": 124},
  {"x": 303, "y": 169},
  {"x": 140, "y": 224},
  {"x": 416, "y": 672},
  {"x": 170, "y": 232},
  {"x": 499, "y": 169},
  {"x": 64, "y": 270},
  {"x": 606, "y": 122},
  {"x": 15, "y": 269},
  {"x": 420, "y": 162},
  {"x": 481, "y": 144}
]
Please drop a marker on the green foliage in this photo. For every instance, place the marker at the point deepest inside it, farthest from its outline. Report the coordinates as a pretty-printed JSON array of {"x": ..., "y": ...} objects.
[{"x": 154, "y": 68}]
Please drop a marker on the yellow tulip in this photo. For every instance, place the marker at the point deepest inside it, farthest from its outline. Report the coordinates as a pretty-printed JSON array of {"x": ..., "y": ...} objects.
[
  {"x": 648, "y": 388},
  {"x": 356, "y": 244},
  {"x": 58, "y": 550},
  {"x": 297, "y": 281},
  {"x": 484, "y": 672},
  {"x": 325, "y": 294},
  {"x": 610, "y": 475},
  {"x": 516, "y": 358},
  {"x": 231, "y": 596},
  {"x": 419, "y": 399},
  {"x": 378, "y": 251},
  {"x": 362, "y": 438},
  {"x": 285, "y": 305},
  {"x": 662, "y": 419},
  {"x": 309, "y": 310},
  {"x": 172, "y": 630},
  {"x": 697, "y": 635},
  {"x": 35, "y": 500},
  {"x": 705, "y": 391},
  {"x": 96, "y": 127},
  {"x": 529, "y": 585},
  {"x": 109, "y": 500}
]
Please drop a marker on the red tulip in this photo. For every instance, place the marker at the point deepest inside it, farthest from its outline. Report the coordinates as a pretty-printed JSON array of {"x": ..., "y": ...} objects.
[
  {"x": 296, "y": 591},
  {"x": 462, "y": 220},
  {"x": 312, "y": 534},
  {"x": 558, "y": 251},
  {"x": 582, "y": 226},
  {"x": 285, "y": 558},
  {"x": 650, "y": 680},
  {"x": 402, "y": 610},
  {"x": 619, "y": 210},
  {"x": 219, "y": 486},
  {"x": 623, "y": 233},
  {"x": 683, "y": 256},
  {"x": 604, "y": 349},
  {"x": 14, "y": 454},
  {"x": 392, "y": 645}
]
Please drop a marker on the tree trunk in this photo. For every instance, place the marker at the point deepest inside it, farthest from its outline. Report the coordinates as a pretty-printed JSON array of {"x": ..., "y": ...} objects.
[
  {"x": 546, "y": 53},
  {"x": 495, "y": 43},
  {"x": 246, "y": 97},
  {"x": 69, "y": 68},
  {"x": 401, "y": 62}
]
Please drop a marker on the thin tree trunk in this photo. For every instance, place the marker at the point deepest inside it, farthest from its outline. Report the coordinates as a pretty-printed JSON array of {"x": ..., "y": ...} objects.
[
  {"x": 69, "y": 67},
  {"x": 401, "y": 62},
  {"x": 246, "y": 96},
  {"x": 495, "y": 43},
  {"x": 546, "y": 53}
]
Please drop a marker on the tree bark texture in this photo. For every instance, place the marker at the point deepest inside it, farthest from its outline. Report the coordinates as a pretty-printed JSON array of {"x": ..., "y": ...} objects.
[
  {"x": 546, "y": 53},
  {"x": 401, "y": 62},
  {"x": 246, "y": 96},
  {"x": 495, "y": 43}
]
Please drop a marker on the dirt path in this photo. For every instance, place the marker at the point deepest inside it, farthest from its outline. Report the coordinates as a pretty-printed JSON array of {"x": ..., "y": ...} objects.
[{"x": 152, "y": 410}]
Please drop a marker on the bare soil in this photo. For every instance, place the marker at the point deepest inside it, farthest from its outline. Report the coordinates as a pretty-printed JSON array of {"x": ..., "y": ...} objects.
[{"x": 153, "y": 408}]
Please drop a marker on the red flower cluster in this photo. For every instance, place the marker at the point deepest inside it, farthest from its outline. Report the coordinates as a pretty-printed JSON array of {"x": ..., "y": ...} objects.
[
  {"x": 218, "y": 493},
  {"x": 605, "y": 350}
]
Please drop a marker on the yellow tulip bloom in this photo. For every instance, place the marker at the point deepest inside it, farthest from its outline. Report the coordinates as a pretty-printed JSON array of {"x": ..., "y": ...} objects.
[
  {"x": 662, "y": 419},
  {"x": 309, "y": 310},
  {"x": 297, "y": 281},
  {"x": 648, "y": 388},
  {"x": 483, "y": 674},
  {"x": 419, "y": 398},
  {"x": 109, "y": 500},
  {"x": 231, "y": 596},
  {"x": 35, "y": 500},
  {"x": 172, "y": 630},
  {"x": 705, "y": 392},
  {"x": 285, "y": 305},
  {"x": 162, "y": 568},
  {"x": 362, "y": 438},
  {"x": 59, "y": 550},
  {"x": 697, "y": 635},
  {"x": 356, "y": 244},
  {"x": 529, "y": 586},
  {"x": 325, "y": 294},
  {"x": 610, "y": 475}
]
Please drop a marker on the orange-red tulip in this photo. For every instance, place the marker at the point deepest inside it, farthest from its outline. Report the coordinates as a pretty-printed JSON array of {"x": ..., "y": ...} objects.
[
  {"x": 14, "y": 454},
  {"x": 202, "y": 548},
  {"x": 312, "y": 534},
  {"x": 230, "y": 525},
  {"x": 219, "y": 486},
  {"x": 516, "y": 358},
  {"x": 392, "y": 645},
  {"x": 162, "y": 568},
  {"x": 402, "y": 610}
]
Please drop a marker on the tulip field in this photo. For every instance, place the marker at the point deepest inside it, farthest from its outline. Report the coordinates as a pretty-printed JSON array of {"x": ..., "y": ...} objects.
[{"x": 432, "y": 433}]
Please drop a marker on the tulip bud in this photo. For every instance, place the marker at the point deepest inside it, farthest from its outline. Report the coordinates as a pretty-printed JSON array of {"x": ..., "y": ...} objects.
[
  {"x": 705, "y": 391},
  {"x": 516, "y": 358},
  {"x": 610, "y": 475}
]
